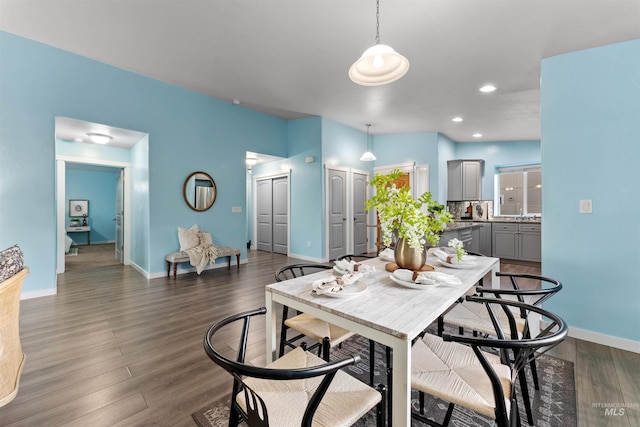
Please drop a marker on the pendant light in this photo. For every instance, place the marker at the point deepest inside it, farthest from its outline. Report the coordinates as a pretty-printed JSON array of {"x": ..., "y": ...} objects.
[
  {"x": 380, "y": 64},
  {"x": 368, "y": 155}
]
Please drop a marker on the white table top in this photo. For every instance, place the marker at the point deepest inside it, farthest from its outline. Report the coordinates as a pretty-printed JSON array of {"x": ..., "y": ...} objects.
[{"x": 386, "y": 306}]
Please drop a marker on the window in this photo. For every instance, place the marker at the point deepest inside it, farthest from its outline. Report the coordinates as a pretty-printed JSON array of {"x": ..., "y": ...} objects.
[{"x": 518, "y": 190}]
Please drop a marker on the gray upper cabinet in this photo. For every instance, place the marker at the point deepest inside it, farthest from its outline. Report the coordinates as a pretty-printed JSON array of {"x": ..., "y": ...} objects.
[{"x": 464, "y": 179}]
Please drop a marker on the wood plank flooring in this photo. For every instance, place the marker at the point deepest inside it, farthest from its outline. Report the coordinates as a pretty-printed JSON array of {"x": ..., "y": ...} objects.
[{"x": 115, "y": 349}]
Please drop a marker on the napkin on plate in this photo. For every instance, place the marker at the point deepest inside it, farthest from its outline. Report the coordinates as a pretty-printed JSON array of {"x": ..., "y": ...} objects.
[
  {"x": 323, "y": 286},
  {"x": 436, "y": 278},
  {"x": 449, "y": 258},
  {"x": 344, "y": 265},
  {"x": 387, "y": 253}
]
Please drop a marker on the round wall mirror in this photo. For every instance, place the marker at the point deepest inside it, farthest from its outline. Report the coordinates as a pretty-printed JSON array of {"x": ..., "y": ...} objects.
[{"x": 199, "y": 191}]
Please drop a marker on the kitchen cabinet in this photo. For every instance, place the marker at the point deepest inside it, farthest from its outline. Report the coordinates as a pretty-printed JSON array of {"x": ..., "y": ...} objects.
[
  {"x": 519, "y": 241},
  {"x": 469, "y": 236},
  {"x": 464, "y": 179},
  {"x": 484, "y": 232}
]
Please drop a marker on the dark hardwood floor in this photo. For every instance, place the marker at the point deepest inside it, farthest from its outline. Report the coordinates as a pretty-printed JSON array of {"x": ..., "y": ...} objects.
[{"x": 115, "y": 349}]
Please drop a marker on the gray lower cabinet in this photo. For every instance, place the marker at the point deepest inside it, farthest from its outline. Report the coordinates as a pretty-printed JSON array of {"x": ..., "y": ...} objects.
[
  {"x": 530, "y": 244},
  {"x": 517, "y": 241},
  {"x": 484, "y": 232},
  {"x": 470, "y": 236}
]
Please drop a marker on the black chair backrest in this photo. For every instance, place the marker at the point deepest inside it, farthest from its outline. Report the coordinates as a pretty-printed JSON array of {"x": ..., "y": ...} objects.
[
  {"x": 544, "y": 293},
  {"x": 296, "y": 270},
  {"x": 524, "y": 350},
  {"x": 355, "y": 257},
  {"x": 239, "y": 370}
]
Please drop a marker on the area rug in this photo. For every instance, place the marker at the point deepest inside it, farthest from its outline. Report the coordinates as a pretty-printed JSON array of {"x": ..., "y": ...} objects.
[{"x": 553, "y": 405}]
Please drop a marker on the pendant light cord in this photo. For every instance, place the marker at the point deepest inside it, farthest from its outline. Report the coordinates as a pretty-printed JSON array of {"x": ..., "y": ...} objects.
[{"x": 377, "y": 21}]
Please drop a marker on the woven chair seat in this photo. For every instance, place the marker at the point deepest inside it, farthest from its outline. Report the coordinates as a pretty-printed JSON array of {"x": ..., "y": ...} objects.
[
  {"x": 317, "y": 329},
  {"x": 452, "y": 372},
  {"x": 346, "y": 400},
  {"x": 475, "y": 317}
]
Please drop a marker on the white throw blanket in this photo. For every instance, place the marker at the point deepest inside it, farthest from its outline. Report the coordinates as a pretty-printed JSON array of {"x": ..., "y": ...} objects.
[{"x": 200, "y": 255}]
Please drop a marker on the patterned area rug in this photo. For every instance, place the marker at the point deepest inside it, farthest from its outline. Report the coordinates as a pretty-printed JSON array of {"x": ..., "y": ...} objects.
[{"x": 553, "y": 405}]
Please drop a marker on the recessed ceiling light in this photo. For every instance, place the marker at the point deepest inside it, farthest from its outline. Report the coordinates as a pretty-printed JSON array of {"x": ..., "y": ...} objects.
[
  {"x": 487, "y": 88},
  {"x": 477, "y": 135},
  {"x": 78, "y": 139},
  {"x": 456, "y": 119},
  {"x": 236, "y": 102},
  {"x": 99, "y": 138}
]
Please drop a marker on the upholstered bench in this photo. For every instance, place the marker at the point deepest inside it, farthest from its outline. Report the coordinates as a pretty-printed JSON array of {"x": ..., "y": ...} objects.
[{"x": 176, "y": 258}]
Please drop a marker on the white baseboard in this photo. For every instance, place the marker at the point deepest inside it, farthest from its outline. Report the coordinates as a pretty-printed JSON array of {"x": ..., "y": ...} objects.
[
  {"x": 608, "y": 340},
  {"x": 37, "y": 294},
  {"x": 307, "y": 258},
  {"x": 603, "y": 339},
  {"x": 140, "y": 270},
  {"x": 193, "y": 269}
]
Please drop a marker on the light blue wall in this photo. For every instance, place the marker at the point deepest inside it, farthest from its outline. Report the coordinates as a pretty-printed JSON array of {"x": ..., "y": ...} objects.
[
  {"x": 495, "y": 154},
  {"x": 99, "y": 188},
  {"x": 420, "y": 148},
  {"x": 591, "y": 150},
  {"x": 187, "y": 132},
  {"x": 446, "y": 152}
]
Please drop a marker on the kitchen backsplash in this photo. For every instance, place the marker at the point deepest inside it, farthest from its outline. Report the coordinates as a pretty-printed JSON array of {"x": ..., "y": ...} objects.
[{"x": 482, "y": 209}]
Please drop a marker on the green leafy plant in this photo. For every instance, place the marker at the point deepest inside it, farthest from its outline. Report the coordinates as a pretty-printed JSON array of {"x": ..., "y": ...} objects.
[{"x": 417, "y": 220}]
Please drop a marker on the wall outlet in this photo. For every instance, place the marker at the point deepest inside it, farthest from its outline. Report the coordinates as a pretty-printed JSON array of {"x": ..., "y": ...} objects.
[
  {"x": 236, "y": 209},
  {"x": 308, "y": 243},
  {"x": 586, "y": 207}
]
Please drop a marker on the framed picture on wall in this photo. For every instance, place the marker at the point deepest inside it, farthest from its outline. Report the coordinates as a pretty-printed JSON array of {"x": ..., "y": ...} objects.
[{"x": 78, "y": 208}]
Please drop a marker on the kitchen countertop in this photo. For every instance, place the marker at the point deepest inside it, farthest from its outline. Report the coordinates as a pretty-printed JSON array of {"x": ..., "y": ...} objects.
[{"x": 526, "y": 220}]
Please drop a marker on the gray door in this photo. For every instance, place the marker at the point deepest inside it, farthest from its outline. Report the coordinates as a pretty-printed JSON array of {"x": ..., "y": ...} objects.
[
  {"x": 280, "y": 190},
  {"x": 119, "y": 218},
  {"x": 272, "y": 224},
  {"x": 337, "y": 213},
  {"x": 264, "y": 209},
  {"x": 359, "y": 213}
]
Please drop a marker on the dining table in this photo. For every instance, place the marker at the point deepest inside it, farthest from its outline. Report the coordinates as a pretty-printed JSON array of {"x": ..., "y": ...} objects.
[{"x": 381, "y": 308}]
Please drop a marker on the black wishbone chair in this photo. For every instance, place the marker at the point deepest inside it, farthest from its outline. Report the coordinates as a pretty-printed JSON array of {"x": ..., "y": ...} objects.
[
  {"x": 475, "y": 318},
  {"x": 299, "y": 389},
  {"x": 325, "y": 334},
  {"x": 454, "y": 368}
]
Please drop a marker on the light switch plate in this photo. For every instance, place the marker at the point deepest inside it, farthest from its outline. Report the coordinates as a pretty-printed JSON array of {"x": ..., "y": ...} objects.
[{"x": 586, "y": 207}]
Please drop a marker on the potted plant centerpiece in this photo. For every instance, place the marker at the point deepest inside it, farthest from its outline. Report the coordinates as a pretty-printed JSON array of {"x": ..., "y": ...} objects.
[{"x": 414, "y": 222}]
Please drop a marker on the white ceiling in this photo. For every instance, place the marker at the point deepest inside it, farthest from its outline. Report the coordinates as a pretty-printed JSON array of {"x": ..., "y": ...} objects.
[{"x": 290, "y": 58}]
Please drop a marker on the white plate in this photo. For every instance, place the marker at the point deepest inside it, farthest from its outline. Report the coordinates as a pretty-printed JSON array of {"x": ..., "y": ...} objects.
[
  {"x": 347, "y": 291},
  {"x": 466, "y": 264},
  {"x": 411, "y": 285}
]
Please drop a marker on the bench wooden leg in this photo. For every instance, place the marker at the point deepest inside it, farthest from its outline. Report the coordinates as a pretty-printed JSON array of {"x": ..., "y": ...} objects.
[
  {"x": 168, "y": 268},
  {"x": 237, "y": 260},
  {"x": 175, "y": 269}
]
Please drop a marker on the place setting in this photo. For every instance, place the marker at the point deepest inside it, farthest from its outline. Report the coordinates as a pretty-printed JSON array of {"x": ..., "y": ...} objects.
[
  {"x": 345, "y": 286},
  {"x": 422, "y": 280},
  {"x": 454, "y": 256}
]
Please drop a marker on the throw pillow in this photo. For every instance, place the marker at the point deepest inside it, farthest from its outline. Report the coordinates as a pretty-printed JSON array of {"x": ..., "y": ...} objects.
[
  {"x": 11, "y": 262},
  {"x": 205, "y": 238},
  {"x": 188, "y": 237}
]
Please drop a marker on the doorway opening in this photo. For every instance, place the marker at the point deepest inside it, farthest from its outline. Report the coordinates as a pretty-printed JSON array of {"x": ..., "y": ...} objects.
[{"x": 101, "y": 178}]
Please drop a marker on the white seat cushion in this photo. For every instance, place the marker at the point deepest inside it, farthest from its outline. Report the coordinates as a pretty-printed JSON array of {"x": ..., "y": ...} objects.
[
  {"x": 476, "y": 318},
  {"x": 317, "y": 329},
  {"x": 346, "y": 400},
  {"x": 452, "y": 372}
]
